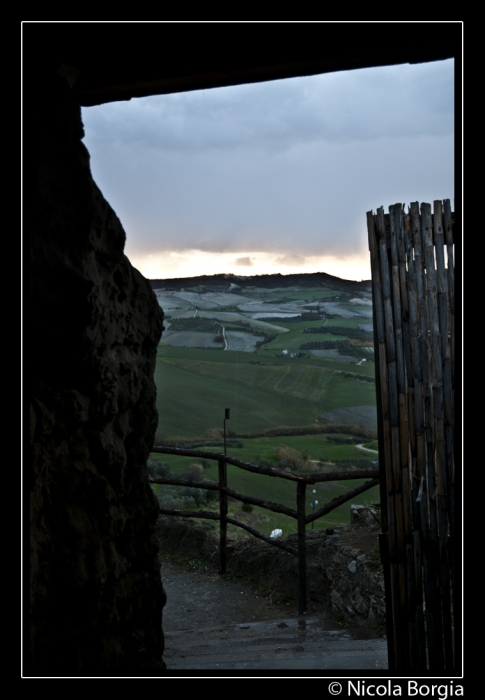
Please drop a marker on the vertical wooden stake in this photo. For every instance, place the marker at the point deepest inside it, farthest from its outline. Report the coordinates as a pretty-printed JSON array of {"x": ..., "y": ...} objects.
[
  {"x": 301, "y": 507},
  {"x": 222, "y": 514}
]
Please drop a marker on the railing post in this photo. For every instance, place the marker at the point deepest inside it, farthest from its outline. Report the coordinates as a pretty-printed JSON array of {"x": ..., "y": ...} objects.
[
  {"x": 301, "y": 508},
  {"x": 222, "y": 514}
]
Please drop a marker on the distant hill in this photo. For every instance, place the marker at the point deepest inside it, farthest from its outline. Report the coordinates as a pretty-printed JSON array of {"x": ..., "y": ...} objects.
[{"x": 223, "y": 282}]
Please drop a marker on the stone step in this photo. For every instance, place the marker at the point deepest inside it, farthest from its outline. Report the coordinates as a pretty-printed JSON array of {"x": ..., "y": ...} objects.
[{"x": 299, "y": 643}]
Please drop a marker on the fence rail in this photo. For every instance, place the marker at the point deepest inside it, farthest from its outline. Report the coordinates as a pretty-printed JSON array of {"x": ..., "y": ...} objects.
[{"x": 299, "y": 514}]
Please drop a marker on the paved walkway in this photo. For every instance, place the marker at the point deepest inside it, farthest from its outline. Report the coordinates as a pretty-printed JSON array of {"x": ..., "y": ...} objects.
[
  {"x": 287, "y": 644},
  {"x": 219, "y": 623}
]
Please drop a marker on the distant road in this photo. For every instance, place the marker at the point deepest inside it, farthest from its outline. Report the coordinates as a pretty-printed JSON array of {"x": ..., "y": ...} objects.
[
  {"x": 367, "y": 449},
  {"x": 223, "y": 334}
]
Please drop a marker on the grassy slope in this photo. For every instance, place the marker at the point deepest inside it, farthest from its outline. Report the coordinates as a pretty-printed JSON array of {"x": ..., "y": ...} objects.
[
  {"x": 196, "y": 386},
  {"x": 260, "y": 396}
]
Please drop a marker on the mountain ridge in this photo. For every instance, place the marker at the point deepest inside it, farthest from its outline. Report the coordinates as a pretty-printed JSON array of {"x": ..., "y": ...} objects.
[{"x": 268, "y": 281}]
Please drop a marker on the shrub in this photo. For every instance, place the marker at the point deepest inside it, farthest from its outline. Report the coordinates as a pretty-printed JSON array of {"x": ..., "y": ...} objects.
[
  {"x": 158, "y": 468},
  {"x": 265, "y": 462},
  {"x": 214, "y": 434},
  {"x": 291, "y": 456},
  {"x": 192, "y": 494},
  {"x": 169, "y": 497},
  {"x": 320, "y": 428},
  {"x": 193, "y": 472},
  {"x": 170, "y": 503},
  {"x": 197, "y": 323},
  {"x": 210, "y": 495}
]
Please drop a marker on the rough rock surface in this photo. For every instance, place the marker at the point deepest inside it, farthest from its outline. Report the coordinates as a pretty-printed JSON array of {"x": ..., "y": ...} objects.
[
  {"x": 355, "y": 578},
  {"x": 95, "y": 590}
]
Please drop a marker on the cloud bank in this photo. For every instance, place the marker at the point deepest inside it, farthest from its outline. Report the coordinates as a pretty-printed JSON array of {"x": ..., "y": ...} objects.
[{"x": 287, "y": 168}]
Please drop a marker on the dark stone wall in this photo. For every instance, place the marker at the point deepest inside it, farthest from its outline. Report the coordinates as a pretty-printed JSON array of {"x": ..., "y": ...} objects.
[{"x": 96, "y": 596}]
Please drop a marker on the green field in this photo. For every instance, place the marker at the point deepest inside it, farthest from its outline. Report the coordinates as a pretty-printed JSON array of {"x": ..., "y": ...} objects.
[
  {"x": 264, "y": 390},
  {"x": 318, "y": 447},
  {"x": 195, "y": 386}
]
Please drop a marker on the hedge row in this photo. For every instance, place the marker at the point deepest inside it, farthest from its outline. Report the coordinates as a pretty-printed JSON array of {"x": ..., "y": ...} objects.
[
  {"x": 305, "y": 316},
  {"x": 278, "y": 431},
  {"x": 355, "y": 351},
  {"x": 356, "y": 333},
  {"x": 324, "y": 345},
  {"x": 321, "y": 429},
  {"x": 359, "y": 377},
  {"x": 195, "y": 323}
]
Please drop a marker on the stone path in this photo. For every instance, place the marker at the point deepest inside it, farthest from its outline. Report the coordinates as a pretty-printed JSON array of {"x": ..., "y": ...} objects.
[
  {"x": 272, "y": 645},
  {"x": 218, "y": 623}
]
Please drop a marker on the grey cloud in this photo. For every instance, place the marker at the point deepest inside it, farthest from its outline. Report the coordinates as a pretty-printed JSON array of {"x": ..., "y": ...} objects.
[
  {"x": 299, "y": 188},
  {"x": 358, "y": 105},
  {"x": 244, "y": 262},
  {"x": 313, "y": 199}
]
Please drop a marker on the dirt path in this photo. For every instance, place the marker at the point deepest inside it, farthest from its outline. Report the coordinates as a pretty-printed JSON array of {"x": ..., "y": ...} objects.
[
  {"x": 200, "y": 597},
  {"x": 223, "y": 334},
  {"x": 367, "y": 449}
]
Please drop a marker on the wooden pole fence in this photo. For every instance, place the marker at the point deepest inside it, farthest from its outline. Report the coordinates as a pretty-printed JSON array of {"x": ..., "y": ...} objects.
[{"x": 299, "y": 514}]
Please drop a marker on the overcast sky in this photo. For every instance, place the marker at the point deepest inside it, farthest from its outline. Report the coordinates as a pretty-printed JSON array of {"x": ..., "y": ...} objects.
[{"x": 273, "y": 177}]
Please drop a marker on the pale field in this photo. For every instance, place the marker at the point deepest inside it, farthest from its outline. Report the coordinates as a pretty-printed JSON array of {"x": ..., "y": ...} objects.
[
  {"x": 222, "y": 299},
  {"x": 331, "y": 307},
  {"x": 186, "y": 304},
  {"x": 229, "y": 316},
  {"x": 366, "y": 416},
  {"x": 238, "y": 340},
  {"x": 197, "y": 301},
  {"x": 187, "y": 339},
  {"x": 361, "y": 302},
  {"x": 275, "y": 313},
  {"x": 169, "y": 302},
  {"x": 260, "y": 307},
  {"x": 178, "y": 313}
]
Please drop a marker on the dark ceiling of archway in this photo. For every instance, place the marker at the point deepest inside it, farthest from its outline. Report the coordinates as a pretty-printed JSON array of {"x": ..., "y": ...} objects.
[{"x": 119, "y": 61}]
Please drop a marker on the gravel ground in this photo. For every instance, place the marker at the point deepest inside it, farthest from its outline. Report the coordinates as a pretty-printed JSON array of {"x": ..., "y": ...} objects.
[{"x": 201, "y": 597}]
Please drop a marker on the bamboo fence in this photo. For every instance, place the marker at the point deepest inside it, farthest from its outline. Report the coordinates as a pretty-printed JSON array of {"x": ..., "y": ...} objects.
[{"x": 412, "y": 260}]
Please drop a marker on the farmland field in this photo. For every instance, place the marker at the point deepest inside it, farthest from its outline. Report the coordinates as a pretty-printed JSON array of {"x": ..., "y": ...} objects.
[
  {"x": 258, "y": 368},
  {"x": 256, "y": 376},
  {"x": 194, "y": 388}
]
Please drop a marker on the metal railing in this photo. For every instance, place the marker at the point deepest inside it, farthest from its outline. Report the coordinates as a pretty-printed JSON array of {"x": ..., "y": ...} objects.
[{"x": 299, "y": 514}]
